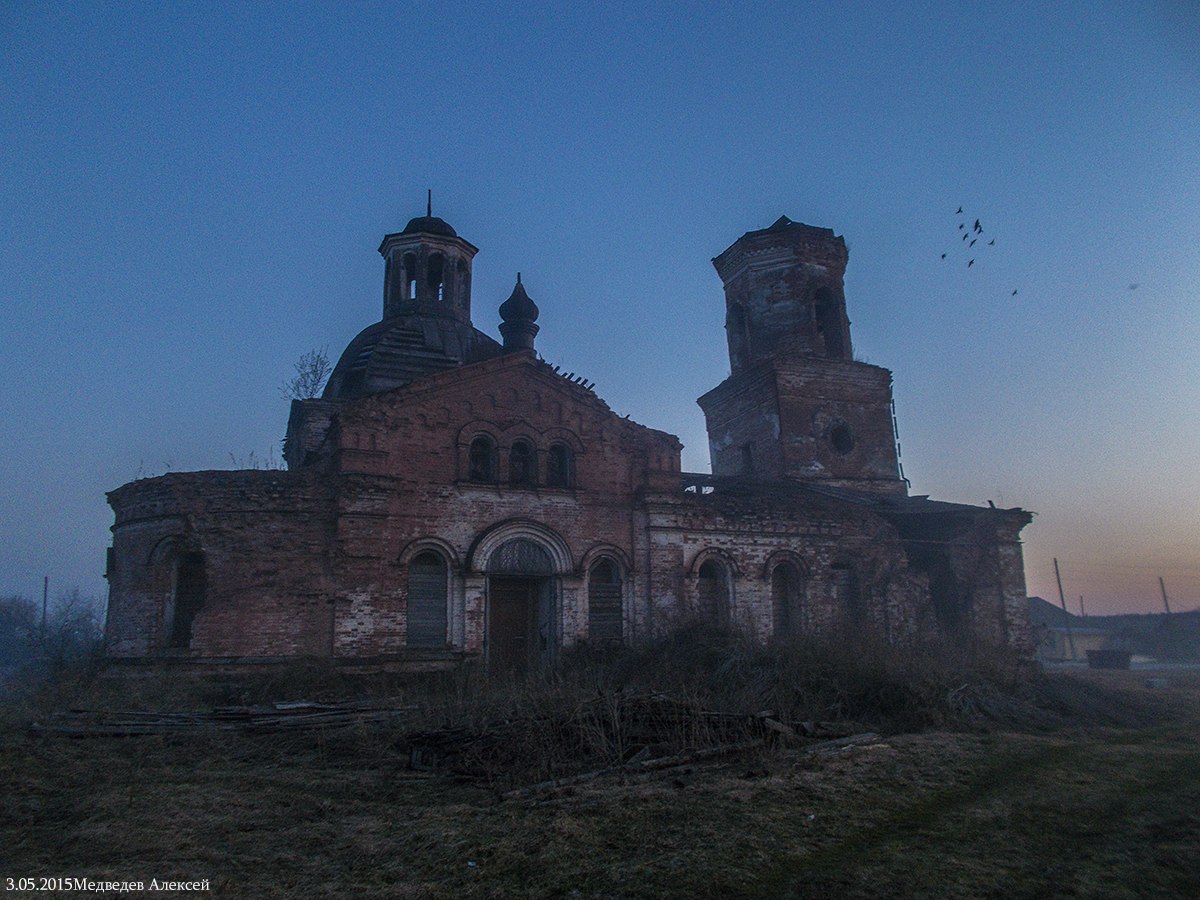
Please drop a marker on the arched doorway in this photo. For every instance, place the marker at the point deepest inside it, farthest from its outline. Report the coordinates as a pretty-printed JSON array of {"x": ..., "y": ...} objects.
[{"x": 521, "y": 597}]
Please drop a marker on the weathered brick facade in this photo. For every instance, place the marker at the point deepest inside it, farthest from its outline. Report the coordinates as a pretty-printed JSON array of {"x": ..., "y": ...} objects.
[{"x": 452, "y": 497}]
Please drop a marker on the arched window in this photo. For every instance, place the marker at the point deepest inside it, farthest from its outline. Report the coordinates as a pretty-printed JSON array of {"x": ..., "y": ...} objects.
[
  {"x": 187, "y": 598},
  {"x": 787, "y": 599},
  {"x": 435, "y": 265},
  {"x": 481, "y": 464},
  {"x": 604, "y": 603},
  {"x": 829, "y": 323},
  {"x": 737, "y": 335},
  {"x": 427, "y": 601},
  {"x": 522, "y": 463},
  {"x": 410, "y": 276},
  {"x": 560, "y": 467},
  {"x": 520, "y": 556},
  {"x": 712, "y": 593}
]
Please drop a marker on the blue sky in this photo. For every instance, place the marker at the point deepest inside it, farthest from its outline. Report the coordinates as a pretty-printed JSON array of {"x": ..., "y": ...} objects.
[{"x": 192, "y": 196}]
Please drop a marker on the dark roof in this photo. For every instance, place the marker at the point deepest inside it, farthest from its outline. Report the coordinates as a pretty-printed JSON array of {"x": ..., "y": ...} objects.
[
  {"x": 783, "y": 223},
  {"x": 896, "y": 503},
  {"x": 429, "y": 225},
  {"x": 402, "y": 349}
]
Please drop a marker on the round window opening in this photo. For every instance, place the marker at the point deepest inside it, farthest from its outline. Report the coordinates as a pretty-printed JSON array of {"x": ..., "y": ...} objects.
[{"x": 841, "y": 438}]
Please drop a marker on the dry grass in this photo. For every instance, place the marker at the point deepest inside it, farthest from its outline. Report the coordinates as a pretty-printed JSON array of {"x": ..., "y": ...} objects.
[{"x": 1013, "y": 785}]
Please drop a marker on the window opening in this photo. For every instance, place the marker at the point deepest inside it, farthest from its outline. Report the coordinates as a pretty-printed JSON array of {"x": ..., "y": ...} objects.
[
  {"x": 190, "y": 589},
  {"x": 604, "y": 603},
  {"x": 747, "y": 459},
  {"x": 560, "y": 467},
  {"x": 521, "y": 463},
  {"x": 829, "y": 326},
  {"x": 435, "y": 278},
  {"x": 846, "y": 593},
  {"x": 842, "y": 438},
  {"x": 482, "y": 462},
  {"x": 427, "y": 580},
  {"x": 410, "y": 276},
  {"x": 713, "y": 593},
  {"x": 787, "y": 599}
]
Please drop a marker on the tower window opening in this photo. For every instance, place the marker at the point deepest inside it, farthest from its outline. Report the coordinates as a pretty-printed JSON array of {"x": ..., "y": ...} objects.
[
  {"x": 829, "y": 324},
  {"x": 842, "y": 438},
  {"x": 738, "y": 336},
  {"x": 436, "y": 276},
  {"x": 481, "y": 465},
  {"x": 747, "y": 459},
  {"x": 410, "y": 276}
]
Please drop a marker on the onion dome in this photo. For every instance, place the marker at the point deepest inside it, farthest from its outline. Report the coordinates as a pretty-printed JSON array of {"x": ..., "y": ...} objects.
[
  {"x": 518, "y": 307},
  {"x": 519, "y": 314}
]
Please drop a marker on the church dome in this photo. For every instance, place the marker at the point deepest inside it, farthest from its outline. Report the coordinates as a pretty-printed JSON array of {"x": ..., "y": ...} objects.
[
  {"x": 519, "y": 307},
  {"x": 402, "y": 349},
  {"x": 429, "y": 225}
]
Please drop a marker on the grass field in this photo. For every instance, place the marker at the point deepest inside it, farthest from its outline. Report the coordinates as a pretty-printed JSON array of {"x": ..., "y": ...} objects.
[{"x": 1101, "y": 800}]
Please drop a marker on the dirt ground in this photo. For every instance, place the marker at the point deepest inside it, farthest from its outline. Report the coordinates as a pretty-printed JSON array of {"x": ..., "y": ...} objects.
[{"x": 1101, "y": 801}]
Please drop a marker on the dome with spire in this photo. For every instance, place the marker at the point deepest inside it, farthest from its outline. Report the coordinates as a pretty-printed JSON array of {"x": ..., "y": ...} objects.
[
  {"x": 429, "y": 225},
  {"x": 519, "y": 314},
  {"x": 518, "y": 307}
]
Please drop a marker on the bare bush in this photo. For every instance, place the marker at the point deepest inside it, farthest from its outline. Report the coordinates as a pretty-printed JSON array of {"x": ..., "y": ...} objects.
[
  {"x": 312, "y": 370},
  {"x": 70, "y": 634}
]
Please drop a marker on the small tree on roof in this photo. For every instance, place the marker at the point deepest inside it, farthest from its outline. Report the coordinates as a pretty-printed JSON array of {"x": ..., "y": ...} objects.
[{"x": 312, "y": 371}]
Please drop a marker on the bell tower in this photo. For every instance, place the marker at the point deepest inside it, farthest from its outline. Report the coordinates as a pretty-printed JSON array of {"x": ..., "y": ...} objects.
[
  {"x": 428, "y": 270},
  {"x": 784, "y": 294},
  {"x": 796, "y": 405}
]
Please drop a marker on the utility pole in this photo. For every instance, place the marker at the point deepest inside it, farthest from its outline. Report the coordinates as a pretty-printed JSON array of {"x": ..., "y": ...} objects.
[
  {"x": 1162, "y": 587},
  {"x": 1063, "y": 602},
  {"x": 45, "y": 596},
  {"x": 1082, "y": 608}
]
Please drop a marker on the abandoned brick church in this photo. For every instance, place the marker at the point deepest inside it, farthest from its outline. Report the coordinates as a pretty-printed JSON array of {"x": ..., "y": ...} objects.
[{"x": 451, "y": 497}]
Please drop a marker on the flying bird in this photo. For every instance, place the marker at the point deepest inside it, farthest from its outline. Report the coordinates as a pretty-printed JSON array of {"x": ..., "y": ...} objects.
[
  {"x": 971, "y": 263},
  {"x": 1014, "y": 293},
  {"x": 943, "y": 256},
  {"x": 992, "y": 242},
  {"x": 972, "y": 244},
  {"x": 966, "y": 234},
  {"x": 1134, "y": 287},
  {"x": 959, "y": 213},
  {"x": 961, "y": 226},
  {"x": 978, "y": 227}
]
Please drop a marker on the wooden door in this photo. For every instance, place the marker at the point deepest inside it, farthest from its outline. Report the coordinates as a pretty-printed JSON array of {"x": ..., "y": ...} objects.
[{"x": 512, "y": 610}]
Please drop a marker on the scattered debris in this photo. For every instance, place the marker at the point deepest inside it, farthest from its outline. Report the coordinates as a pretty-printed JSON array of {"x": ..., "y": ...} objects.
[{"x": 285, "y": 716}]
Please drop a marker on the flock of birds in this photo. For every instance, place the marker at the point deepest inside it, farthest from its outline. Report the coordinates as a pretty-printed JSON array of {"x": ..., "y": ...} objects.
[{"x": 970, "y": 236}]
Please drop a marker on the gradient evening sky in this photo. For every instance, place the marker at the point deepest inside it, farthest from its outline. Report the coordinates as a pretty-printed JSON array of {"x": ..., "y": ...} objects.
[{"x": 191, "y": 196}]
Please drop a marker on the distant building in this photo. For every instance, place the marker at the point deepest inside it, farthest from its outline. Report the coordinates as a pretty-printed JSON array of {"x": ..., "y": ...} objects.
[
  {"x": 1060, "y": 636},
  {"x": 453, "y": 497}
]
